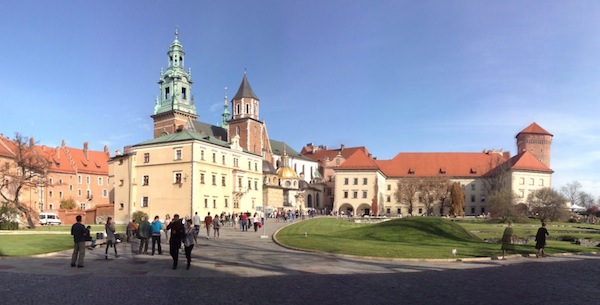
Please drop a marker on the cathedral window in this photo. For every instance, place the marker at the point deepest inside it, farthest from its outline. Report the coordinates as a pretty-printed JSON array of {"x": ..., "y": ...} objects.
[
  {"x": 183, "y": 93},
  {"x": 167, "y": 93},
  {"x": 247, "y": 108}
]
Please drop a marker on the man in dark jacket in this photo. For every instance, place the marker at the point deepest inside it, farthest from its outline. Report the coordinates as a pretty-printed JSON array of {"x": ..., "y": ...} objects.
[
  {"x": 177, "y": 234},
  {"x": 79, "y": 232},
  {"x": 145, "y": 232}
]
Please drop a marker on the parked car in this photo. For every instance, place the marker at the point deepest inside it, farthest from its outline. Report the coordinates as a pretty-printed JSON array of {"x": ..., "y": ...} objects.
[{"x": 49, "y": 219}]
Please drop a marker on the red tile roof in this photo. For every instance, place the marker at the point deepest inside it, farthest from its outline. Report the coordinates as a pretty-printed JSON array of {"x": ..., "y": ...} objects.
[
  {"x": 528, "y": 162},
  {"x": 441, "y": 164},
  {"x": 321, "y": 154},
  {"x": 535, "y": 128},
  {"x": 359, "y": 160}
]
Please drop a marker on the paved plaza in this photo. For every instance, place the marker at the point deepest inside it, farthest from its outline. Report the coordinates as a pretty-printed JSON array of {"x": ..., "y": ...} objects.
[{"x": 243, "y": 268}]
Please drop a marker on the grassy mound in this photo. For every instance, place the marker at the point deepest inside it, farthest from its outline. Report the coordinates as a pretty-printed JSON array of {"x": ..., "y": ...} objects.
[{"x": 410, "y": 237}]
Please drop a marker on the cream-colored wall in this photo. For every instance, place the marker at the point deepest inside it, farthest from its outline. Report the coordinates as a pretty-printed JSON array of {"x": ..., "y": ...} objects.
[
  {"x": 185, "y": 198},
  {"x": 359, "y": 204},
  {"x": 524, "y": 183}
]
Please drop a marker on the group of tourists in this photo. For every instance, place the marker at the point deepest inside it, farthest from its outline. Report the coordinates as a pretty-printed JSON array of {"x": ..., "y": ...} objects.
[{"x": 81, "y": 234}]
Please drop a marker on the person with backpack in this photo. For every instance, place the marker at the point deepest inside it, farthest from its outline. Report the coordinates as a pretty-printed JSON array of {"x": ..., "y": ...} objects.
[{"x": 177, "y": 235}]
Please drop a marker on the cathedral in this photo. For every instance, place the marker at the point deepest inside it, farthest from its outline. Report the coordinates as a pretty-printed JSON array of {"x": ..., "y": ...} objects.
[{"x": 191, "y": 166}]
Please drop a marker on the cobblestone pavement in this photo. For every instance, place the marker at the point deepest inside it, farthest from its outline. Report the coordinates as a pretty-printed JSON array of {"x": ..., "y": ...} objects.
[{"x": 242, "y": 268}]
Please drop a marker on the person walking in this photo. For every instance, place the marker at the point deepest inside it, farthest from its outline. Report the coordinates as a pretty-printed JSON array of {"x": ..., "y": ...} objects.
[
  {"x": 177, "y": 235},
  {"x": 131, "y": 229},
  {"x": 157, "y": 227},
  {"x": 79, "y": 232},
  {"x": 217, "y": 224},
  {"x": 208, "y": 221},
  {"x": 255, "y": 221},
  {"x": 111, "y": 240},
  {"x": 197, "y": 222},
  {"x": 189, "y": 241},
  {"x": 165, "y": 224},
  {"x": 244, "y": 221},
  {"x": 540, "y": 240},
  {"x": 144, "y": 232},
  {"x": 507, "y": 240}
]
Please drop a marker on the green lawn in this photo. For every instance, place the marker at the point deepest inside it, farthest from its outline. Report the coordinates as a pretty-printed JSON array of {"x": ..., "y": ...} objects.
[
  {"x": 42, "y": 240},
  {"x": 413, "y": 237}
]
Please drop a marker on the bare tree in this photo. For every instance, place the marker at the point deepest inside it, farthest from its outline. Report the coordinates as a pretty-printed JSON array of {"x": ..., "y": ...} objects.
[
  {"x": 433, "y": 190},
  {"x": 457, "y": 196},
  {"x": 548, "y": 204},
  {"x": 586, "y": 200},
  {"x": 502, "y": 205},
  {"x": 408, "y": 189},
  {"x": 26, "y": 171},
  {"x": 496, "y": 176},
  {"x": 572, "y": 191}
]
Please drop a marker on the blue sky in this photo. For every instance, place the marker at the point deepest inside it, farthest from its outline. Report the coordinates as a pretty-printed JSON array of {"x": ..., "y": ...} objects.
[{"x": 394, "y": 76}]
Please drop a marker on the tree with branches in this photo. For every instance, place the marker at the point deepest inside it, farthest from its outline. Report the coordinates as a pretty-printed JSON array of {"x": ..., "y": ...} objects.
[
  {"x": 26, "y": 171},
  {"x": 457, "y": 196},
  {"x": 502, "y": 205},
  {"x": 408, "y": 188},
  {"x": 433, "y": 190},
  {"x": 572, "y": 192},
  {"x": 548, "y": 204}
]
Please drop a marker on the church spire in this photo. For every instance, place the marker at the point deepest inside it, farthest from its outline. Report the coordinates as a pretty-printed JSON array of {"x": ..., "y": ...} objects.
[{"x": 225, "y": 115}]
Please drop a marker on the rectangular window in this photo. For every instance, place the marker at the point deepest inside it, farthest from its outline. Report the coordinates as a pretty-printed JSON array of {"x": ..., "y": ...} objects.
[
  {"x": 177, "y": 178},
  {"x": 226, "y": 203},
  {"x": 235, "y": 162},
  {"x": 87, "y": 180},
  {"x": 79, "y": 179},
  {"x": 202, "y": 155},
  {"x": 256, "y": 185},
  {"x": 473, "y": 186},
  {"x": 79, "y": 192},
  {"x": 144, "y": 202},
  {"x": 146, "y": 157},
  {"x": 472, "y": 210},
  {"x": 472, "y": 198},
  {"x": 364, "y": 194},
  {"x": 388, "y": 199},
  {"x": 104, "y": 193},
  {"x": 365, "y": 181},
  {"x": 206, "y": 202},
  {"x": 355, "y": 181},
  {"x": 541, "y": 182},
  {"x": 255, "y": 166},
  {"x": 100, "y": 182},
  {"x": 531, "y": 181},
  {"x": 50, "y": 193},
  {"x": 389, "y": 187},
  {"x": 82, "y": 206},
  {"x": 354, "y": 194},
  {"x": 50, "y": 181},
  {"x": 214, "y": 179},
  {"x": 183, "y": 93},
  {"x": 345, "y": 181},
  {"x": 522, "y": 181},
  {"x": 249, "y": 165},
  {"x": 399, "y": 211},
  {"x": 214, "y": 158},
  {"x": 223, "y": 181},
  {"x": 223, "y": 159},
  {"x": 60, "y": 194},
  {"x": 328, "y": 191},
  {"x": 178, "y": 154},
  {"x": 201, "y": 178},
  {"x": 249, "y": 184},
  {"x": 345, "y": 194},
  {"x": 146, "y": 180},
  {"x": 214, "y": 203},
  {"x": 167, "y": 93}
]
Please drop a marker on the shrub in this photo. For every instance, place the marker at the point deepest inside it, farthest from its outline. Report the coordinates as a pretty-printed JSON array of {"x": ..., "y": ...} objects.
[
  {"x": 9, "y": 225},
  {"x": 137, "y": 215}
]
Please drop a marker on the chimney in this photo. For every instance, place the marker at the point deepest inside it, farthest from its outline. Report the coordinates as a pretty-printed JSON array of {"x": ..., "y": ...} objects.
[
  {"x": 85, "y": 150},
  {"x": 31, "y": 141},
  {"x": 342, "y": 147},
  {"x": 106, "y": 151},
  {"x": 63, "y": 144}
]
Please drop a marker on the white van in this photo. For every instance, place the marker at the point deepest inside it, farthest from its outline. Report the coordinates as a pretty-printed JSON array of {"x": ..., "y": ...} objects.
[{"x": 49, "y": 219}]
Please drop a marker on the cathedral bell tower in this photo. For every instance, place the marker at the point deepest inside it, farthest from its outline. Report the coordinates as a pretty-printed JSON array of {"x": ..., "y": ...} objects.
[
  {"x": 246, "y": 124},
  {"x": 175, "y": 106}
]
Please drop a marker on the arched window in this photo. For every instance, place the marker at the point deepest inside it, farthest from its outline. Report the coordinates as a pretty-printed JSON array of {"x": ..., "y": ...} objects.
[
  {"x": 247, "y": 108},
  {"x": 238, "y": 108},
  {"x": 237, "y": 130}
]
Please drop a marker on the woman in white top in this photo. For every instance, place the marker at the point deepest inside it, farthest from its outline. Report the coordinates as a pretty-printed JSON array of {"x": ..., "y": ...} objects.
[
  {"x": 165, "y": 224},
  {"x": 111, "y": 240},
  {"x": 188, "y": 241}
]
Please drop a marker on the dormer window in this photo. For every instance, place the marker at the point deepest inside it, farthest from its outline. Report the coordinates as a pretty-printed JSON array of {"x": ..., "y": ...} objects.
[
  {"x": 442, "y": 170},
  {"x": 411, "y": 171},
  {"x": 473, "y": 171}
]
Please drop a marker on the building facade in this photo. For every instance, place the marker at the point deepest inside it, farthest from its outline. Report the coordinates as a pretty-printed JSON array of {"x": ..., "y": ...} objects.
[{"x": 364, "y": 185}]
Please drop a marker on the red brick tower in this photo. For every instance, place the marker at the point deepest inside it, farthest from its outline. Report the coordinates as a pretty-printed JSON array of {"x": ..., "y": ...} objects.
[
  {"x": 536, "y": 140},
  {"x": 245, "y": 122}
]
